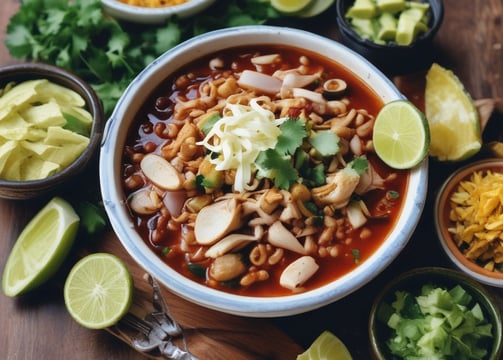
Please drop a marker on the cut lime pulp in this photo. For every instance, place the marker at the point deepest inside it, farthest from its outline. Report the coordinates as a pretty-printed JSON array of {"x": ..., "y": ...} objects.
[
  {"x": 41, "y": 248},
  {"x": 326, "y": 346},
  {"x": 452, "y": 116},
  {"x": 401, "y": 135},
  {"x": 98, "y": 290},
  {"x": 290, "y": 6}
]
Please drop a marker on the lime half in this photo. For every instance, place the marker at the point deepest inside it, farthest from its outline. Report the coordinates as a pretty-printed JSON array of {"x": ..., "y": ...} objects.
[
  {"x": 401, "y": 135},
  {"x": 41, "y": 247},
  {"x": 452, "y": 116},
  {"x": 290, "y": 6},
  {"x": 326, "y": 346},
  {"x": 98, "y": 290}
]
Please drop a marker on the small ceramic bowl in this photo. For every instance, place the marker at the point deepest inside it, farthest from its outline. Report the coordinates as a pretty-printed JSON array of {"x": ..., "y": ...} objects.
[
  {"x": 442, "y": 222},
  {"x": 392, "y": 59},
  {"x": 412, "y": 281},
  {"x": 151, "y": 15},
  {"x": 31, "y": 71}
]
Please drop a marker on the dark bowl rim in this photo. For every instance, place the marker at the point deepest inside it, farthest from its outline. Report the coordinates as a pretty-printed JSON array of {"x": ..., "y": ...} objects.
[
  {"x": 346, "y": 29},
  {"x": 447, "y": 275},
  {"x": 29, "y": 70}
]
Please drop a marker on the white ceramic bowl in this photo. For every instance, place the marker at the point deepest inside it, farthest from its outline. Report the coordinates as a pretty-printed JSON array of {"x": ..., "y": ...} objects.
[
  {"x": 149, "y": 15},
  {"x": 113, "y": 195}
]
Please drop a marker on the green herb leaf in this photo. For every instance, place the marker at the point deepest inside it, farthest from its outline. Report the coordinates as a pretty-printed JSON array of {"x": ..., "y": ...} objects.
[
  {"x": 325, "y": 142},
  {"x": 293, "y": 132},
  {"x": 278, "y": 168}
]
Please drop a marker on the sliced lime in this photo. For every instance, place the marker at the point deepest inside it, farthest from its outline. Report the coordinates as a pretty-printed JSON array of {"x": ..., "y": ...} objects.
[
  {"x": 326, "y": 346},
  {"x": 315, "y": 8},
  {"x": 98, "y": 290},
  {"x": 290, "y": 6},
  {"x": 452, "y": 116},
  {"x": 401, "y": 135},
  {"x": 41, "y": 248}
]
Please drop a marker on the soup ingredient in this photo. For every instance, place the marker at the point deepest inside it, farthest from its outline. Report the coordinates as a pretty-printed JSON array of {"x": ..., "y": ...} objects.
[
  {"x": 153, "y": 3},
  {"x": 452, "y": 116},
  {"x": 44, "y": 127},
  {"x": 446, "y": 323},
  {"x": 98, "y": 290},
  {"x": 298, "y": 272},
  {"x": 401, "y": 135},
  {"x": 41, "y": 248},
  {"x": 476, "y": 213},
  {"x": 290, "y": 6},
  {"x": 389, "y": 21},
  {"x": 326, "y": 346}
]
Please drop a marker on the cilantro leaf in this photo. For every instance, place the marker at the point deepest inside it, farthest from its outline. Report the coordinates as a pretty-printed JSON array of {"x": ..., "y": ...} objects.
[
  {"x": 359, "y": 164},
  {"x": 293, "y": 132},
  {"x": 279, "y": 168},
  {"x": 325, "y": 142}
]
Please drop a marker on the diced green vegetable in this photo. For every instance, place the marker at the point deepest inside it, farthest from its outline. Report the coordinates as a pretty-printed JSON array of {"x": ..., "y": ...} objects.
[
  {"x": 436, "y": 324},
  {"x": 389, "y": 21}
]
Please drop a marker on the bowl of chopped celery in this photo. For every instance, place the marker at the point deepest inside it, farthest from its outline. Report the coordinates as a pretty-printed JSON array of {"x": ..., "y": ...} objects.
[
  {"x": 153, "y": 11},
  {"x": 435, "y": 313},
  {"x": 395, "y": 35},
  {"x": 468, "y": 212},
  {"x": 51, "y": 128}
]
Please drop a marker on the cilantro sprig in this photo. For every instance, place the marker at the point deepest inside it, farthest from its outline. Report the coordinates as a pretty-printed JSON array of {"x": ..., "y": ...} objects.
[{"x": 80, "y": 37}]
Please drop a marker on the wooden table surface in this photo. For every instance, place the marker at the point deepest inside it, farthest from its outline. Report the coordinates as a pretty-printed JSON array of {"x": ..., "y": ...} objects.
[{"x": 37, "y": 326}]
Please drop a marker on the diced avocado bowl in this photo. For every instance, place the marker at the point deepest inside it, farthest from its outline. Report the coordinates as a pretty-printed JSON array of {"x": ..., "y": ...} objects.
[
  {"x": 51, "y": 124},
  {"x": 435, "y": 313},
  {"x": 395, "y": 35}
]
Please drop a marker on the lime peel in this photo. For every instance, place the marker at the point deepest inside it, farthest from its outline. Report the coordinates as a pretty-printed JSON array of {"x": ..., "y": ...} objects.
[
  {"x": 41, "y": 248},
  {"x": 401, "y": 135}
]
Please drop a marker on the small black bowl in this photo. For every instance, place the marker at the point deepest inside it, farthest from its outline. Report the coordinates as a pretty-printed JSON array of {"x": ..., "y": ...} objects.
[
  {"x": 412, "y": 281},
  {"x": 392, "y": 59},
  {"x": 20, "y": 190}
]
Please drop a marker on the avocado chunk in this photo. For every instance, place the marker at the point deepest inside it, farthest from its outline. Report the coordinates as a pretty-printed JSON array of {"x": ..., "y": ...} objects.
[
  {"x": 364, "y": 9},
  {"x": 391, "y": 6}
]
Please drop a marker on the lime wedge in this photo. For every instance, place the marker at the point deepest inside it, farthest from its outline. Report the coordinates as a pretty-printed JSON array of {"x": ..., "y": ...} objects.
[
  {"x": 315, "y": 8},
  {"x": 98, "y": 290},
  {"x": 452, "y": 116},
  {"x": 41, "y": 248},
  {"x": 326, "y": 346},
  {"x": 290, "y": 6},
  {"x": 401, "y": 135}
]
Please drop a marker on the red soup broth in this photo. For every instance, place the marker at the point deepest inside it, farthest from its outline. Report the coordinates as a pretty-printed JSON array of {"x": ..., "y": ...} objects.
[{"x": 158, "y": 109}]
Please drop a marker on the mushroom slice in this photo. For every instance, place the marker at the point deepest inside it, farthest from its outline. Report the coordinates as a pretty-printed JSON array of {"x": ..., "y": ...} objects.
[
  {"x": 298, "y": 272},
  {"x": 255, "y": 80},
  {"x": 229, "y": 243},
  {"x": 265, "y": 59},
  {"x": 279, "y": 236},
  {"x": 227, "y": 267},
  {"x": 217, "y": 220},
  {"x": 145, "y": 202},
  {"x": 161, "y": 173}
]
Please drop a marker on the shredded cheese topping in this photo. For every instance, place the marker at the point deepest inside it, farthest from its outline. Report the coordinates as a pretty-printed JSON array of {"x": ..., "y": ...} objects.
[
  {"x": 477, "y": 213},
  {"x": 153, "y": 3},
  {"x": 238, "y": 138}
]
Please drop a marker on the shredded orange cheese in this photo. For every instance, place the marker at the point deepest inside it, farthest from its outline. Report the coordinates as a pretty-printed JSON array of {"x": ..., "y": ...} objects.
[
  {"x": 153, "y": 3},
  {"x": 477, "y": 216}
]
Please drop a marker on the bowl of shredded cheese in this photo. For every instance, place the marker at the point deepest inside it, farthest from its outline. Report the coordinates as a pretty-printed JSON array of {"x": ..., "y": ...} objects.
[
  {"x": 153, "y": 11},
  {"x": 469, "y": 220}
]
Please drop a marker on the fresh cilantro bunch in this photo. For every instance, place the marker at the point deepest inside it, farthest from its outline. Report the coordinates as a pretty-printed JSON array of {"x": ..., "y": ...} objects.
[{"x": 78, "y": 36}]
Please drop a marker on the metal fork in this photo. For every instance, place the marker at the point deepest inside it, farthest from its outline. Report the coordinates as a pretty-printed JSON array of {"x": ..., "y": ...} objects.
[{"x": 158, "y": 330}]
